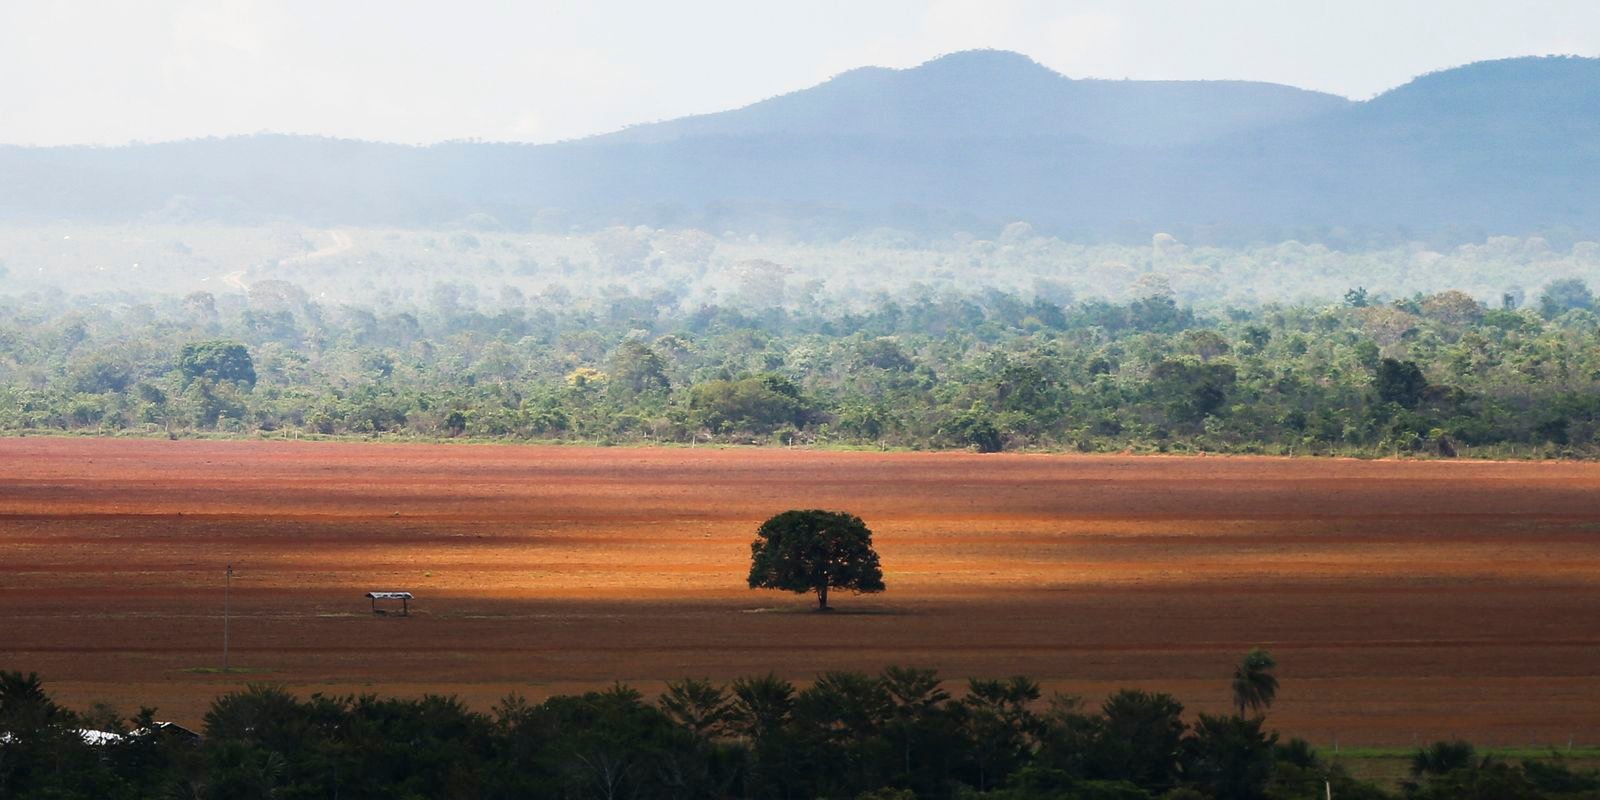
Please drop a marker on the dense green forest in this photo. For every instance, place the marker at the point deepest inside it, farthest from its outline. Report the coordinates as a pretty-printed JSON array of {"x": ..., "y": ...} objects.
[
  {"x": 1439, "y": 374},
  {"x": 895, "y": 736}
]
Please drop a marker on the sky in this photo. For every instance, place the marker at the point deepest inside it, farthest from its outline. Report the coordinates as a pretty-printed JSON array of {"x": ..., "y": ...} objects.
[{"x": 115, "y": 71}]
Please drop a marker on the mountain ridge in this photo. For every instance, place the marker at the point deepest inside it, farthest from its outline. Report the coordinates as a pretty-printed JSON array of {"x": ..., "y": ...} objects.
[
  {"x": 974, "y": 80},
  {"x": 971, "y": 140}
]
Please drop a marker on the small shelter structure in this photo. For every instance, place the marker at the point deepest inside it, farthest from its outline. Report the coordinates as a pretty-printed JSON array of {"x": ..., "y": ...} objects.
[
  {"x": 169, "y": 730},
  {"x": 404, "y": 598}
]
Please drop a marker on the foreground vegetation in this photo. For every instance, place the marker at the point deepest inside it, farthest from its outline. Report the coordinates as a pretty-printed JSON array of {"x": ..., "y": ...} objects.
[
  {"x": 1440, "y": 374},
  {"x": 900, "y": 734}
]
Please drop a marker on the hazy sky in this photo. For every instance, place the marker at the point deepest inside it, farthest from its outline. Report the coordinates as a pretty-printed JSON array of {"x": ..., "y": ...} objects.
[{"x": 412, "y": 71}]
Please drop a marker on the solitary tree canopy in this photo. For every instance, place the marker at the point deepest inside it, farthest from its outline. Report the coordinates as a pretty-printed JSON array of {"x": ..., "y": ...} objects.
[
  {"x": 218, "y": 360},
  {"x": 1254, "y": 686},
  {"x": 1400, "y": 382},
  {"x": 803, "y": 551}
]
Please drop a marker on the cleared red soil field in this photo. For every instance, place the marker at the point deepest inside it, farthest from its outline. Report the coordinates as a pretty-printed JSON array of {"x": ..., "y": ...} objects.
[{"x": 1402, "y": 599}]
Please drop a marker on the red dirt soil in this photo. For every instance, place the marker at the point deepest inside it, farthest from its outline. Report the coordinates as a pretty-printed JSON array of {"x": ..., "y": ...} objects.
[{"x": 1404, "y": 600}]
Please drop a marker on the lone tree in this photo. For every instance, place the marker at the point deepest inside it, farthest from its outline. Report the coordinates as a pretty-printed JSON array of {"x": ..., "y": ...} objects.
[
  {"x": 803, "y": 551},
  {"x": 1254, "y": 686}
]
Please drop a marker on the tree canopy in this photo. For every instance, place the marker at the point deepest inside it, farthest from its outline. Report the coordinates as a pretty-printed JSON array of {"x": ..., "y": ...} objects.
[
  {"x": 895, "y": 734},
  {"x": 812, "y": 550},
  {"x": 1254, "y": 686},
  {"x": 988, "y": 370},
  {"x": 218, "y": 360}
]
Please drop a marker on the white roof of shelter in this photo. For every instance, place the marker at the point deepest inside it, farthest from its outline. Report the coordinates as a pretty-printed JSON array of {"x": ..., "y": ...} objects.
[
  {"x": 98, "y": 737},
  {"x": 163, "y": 727},
  {"x": 390, "y": 595}
]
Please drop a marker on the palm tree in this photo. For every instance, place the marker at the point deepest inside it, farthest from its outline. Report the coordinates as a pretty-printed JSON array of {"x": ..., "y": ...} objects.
[
  {"x": 1254, "y": 687},
  {"x": 698, "y": 706},
  {"x": 1443, "y": 758},
  {"x": 917, "y": 696},
  {"x": 760, "y": 706}
]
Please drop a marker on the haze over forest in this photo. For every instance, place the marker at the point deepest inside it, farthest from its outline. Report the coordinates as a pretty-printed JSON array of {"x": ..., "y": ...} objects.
[{"x": 975, "y": 252}]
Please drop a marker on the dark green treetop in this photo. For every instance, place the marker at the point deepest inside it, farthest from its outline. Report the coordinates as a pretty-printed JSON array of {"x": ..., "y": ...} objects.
[
  {"x": 1254, "y": 686},
  {"x": 812, "y": 550},
  {"x": 219, "y": 359}
]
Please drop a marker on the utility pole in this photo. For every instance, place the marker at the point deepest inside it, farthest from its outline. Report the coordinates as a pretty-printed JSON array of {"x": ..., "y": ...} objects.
[{"x": 227, "y": 580}]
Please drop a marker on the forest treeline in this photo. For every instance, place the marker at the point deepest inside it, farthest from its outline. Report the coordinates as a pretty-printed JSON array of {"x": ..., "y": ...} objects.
[
  {"x": 1439, "y": 374},
  {"x": 898, "y": 735}
]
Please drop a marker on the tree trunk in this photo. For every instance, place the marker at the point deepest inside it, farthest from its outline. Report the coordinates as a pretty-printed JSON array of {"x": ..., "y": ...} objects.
[{"x": 822, "y": 597}]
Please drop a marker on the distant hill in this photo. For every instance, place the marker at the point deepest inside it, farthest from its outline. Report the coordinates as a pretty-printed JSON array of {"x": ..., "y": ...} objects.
[
  {"x": 983, "y": 94},
  {"x": 969, "y": 141},
  {"x": 1507, "y": 146}
]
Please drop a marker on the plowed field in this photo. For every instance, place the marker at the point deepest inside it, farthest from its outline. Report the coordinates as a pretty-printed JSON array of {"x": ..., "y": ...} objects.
[{"x": 1403, "y": 600}]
